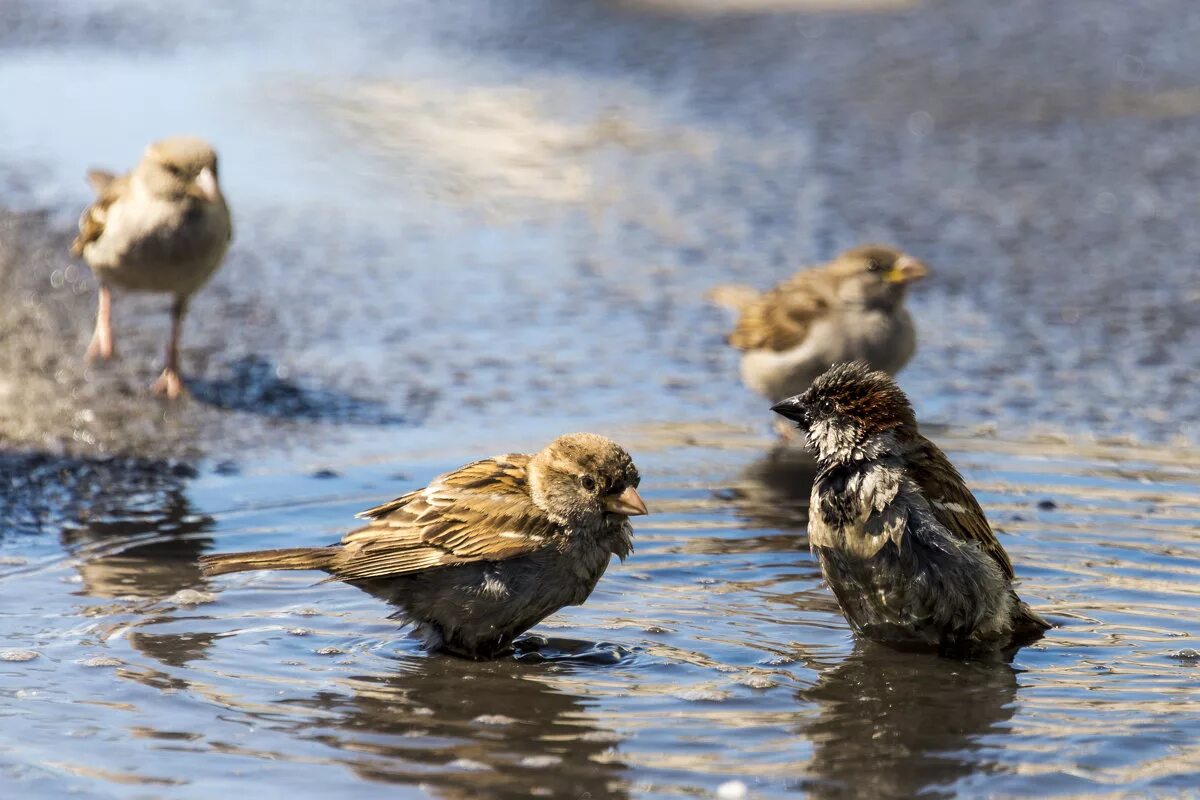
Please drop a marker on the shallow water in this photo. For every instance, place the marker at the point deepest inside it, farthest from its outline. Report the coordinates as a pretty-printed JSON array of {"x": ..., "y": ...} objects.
[
  {"x": 463, "y": 231},
  {"x": 713, "y": 654}
]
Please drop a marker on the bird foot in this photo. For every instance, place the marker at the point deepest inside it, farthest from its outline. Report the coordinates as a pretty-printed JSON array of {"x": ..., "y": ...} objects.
[
  {"x": 101, "y": 348},
  {"x": 169, "y": 385}
]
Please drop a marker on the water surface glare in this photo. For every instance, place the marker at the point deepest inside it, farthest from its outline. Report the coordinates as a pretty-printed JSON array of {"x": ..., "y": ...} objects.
[{"x": 713, "y": 654}]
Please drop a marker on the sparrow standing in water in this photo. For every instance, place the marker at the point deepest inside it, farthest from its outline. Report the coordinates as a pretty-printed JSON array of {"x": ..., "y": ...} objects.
[
  {"x": 902, "y": 541},
  {"x": 163, "y": 227},
  {"x": 487, "y": 551},
  {"x": 849, "y": 309}
]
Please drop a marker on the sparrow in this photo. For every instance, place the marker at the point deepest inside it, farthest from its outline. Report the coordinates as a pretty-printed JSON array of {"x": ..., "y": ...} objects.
[
  {"x": 487, "y": 551},
  {"x": 901, "y": 540},
  {"x": 851, "y": 308},
  {"x": 163, "y": 227}
]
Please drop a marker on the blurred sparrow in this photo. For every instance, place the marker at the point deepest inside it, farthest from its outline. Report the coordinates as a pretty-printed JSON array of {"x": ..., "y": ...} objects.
[
  {"x": 849, "y": 309},
  {"x": 164, "y": 227},
  {"x": 487, "y": 551},
  {"x": 902, "y": 541}
]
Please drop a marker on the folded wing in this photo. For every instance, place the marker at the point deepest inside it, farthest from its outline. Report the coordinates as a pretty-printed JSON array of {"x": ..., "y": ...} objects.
[{"x": 481, "y": 512}]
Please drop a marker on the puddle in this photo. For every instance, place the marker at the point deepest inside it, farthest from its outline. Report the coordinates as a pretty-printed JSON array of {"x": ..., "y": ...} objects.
[
  {"x": 713, "y": 653},
  {"x": 462, "y": 231}
]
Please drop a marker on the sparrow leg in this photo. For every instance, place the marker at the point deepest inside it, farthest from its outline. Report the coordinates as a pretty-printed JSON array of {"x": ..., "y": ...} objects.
[
  {"x": 169, "y": 384},
  {"x": 102, "y": 345}
]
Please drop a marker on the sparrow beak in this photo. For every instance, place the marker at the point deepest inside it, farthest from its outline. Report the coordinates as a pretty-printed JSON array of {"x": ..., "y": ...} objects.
[
  {"x": 628, "y": 502},
  {"x": 906, "y": 270},
  {"x": 206, "y": 182},
  {"x": 794, "y": 410}
]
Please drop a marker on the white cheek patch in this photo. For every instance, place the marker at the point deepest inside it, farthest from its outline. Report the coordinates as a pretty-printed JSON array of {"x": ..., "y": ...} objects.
[{"x": 832, "y": 442}]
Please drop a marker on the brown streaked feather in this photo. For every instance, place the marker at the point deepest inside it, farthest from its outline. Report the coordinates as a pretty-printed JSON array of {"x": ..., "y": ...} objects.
[
  {"x": 780, "y": 319},
  {"x": 108, "y": 188},
  {"x": 947, "y": 492},
  {"x": 480, "y": 512}
]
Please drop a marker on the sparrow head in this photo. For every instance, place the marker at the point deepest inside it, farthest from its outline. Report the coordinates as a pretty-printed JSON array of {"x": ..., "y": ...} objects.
[
  {"x": 850, "y": 413},
  {"x": 581, "y": 478},
  {"x": 179, "y": 166},
  {"x": 876, "y": 275}
]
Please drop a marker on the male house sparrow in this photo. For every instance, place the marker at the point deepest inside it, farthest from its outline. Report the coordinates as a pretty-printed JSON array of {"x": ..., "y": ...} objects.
[
  {"x": 487, "y": 551},
  {"x": 851, "y": 308},
  {"x": 902, "y": 541},
  {"x": 163, "y": 227}
]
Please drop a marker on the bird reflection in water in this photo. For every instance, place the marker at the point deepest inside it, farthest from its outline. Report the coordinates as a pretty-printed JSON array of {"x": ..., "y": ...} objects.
[
  {"x": 891, "y": 724},
  {"x": 462, "y": 729},
  {"x": 143, "y": 544},
  {"x": 773, "y": 490},
  {"x": 138, "y": 538}
]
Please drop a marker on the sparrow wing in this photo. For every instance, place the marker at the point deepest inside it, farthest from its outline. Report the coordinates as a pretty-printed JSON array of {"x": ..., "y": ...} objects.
[
  {"x": 781, "y": 318},
  {"x": 953, "y": 504},
  {"x": 480, "y": 512},
  {"x": 108, "y": 189}
]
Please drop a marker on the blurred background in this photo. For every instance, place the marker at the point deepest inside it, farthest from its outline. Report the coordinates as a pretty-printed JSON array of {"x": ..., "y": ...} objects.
[{"x": 464, "y": 228}]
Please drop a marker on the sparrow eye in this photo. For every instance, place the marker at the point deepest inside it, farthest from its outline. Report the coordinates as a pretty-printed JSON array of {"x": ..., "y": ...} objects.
[
  {"x": 588, "y": 482},
  {"x": 874, "y": 266},
  {"x": 827, "y": 407}
]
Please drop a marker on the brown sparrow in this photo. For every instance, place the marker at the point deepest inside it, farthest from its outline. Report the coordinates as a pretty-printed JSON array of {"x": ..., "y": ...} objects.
[
  {"x": 849, "y": 309},
  {"x": 487, "y": 551},
  {"x": 902, "y": 541},
  {"x": 163, "y": 227}
]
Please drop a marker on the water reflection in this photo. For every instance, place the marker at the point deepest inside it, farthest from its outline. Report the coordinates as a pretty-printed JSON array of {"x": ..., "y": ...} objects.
[
  {"x": 773, "y": 491},
  {"x": 145, "y": 545},
  {"x": 466, "y": 730},
  {"x": 893, "y": 724}
]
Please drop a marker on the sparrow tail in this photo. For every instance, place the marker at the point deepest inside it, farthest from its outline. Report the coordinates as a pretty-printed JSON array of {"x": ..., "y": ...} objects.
[
  {"x": 1028, "y": 625},
  {"x": 734, "y": 296},
  {"x": 100, "y": 180},
  {"x": 322, "y": 558}
]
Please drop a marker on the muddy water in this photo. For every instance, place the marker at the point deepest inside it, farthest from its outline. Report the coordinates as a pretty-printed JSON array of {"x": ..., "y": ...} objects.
[{"x": 463, "y": 231}]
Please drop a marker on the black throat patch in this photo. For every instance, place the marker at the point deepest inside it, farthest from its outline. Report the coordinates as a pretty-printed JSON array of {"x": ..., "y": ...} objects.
[{"x": 837, "y": 506}]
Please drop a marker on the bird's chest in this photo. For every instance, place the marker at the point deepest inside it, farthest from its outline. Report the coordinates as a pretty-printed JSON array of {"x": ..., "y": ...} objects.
[
  {"x": 586, "y": 563},
  {"x": 854, "y": 509},
  {"x": 156, "y": 245},
  {"x": 883, "y": 339}
]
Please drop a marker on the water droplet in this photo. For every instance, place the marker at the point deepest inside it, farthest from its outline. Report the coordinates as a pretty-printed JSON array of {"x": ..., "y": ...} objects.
[
  {"x": 920, "y": 124},
  {"x": 493, "y": 719},
  {"x": 191, "y": 597},
  {"x": 758, "y": 682},
  {"x": 732, "y": 790},
  {"x": 100, "y": 661},
  {"x": 1105, "y": 202}
]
